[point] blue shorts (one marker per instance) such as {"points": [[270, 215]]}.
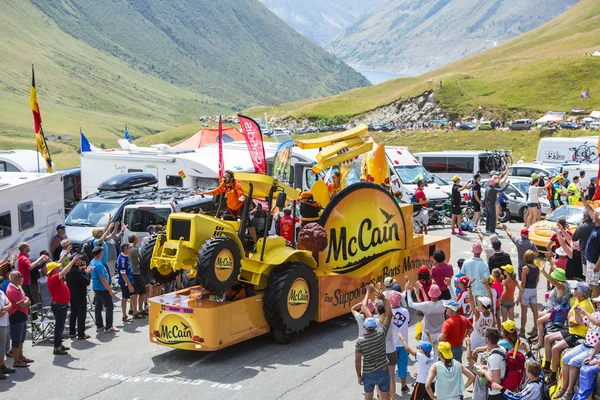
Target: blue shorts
{"points": [[18, 330], [380, 378], [402, 355], [587, 381], [575, 357]]}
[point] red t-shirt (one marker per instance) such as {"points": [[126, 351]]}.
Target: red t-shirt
{"points": [[426, 287], [441, 271], [554, 238], [420, 195], [59, 292], [15, 294], [455, 329], [286, 227], [24, 266]]}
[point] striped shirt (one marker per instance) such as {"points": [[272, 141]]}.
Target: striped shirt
{"points": [[372, 348]]}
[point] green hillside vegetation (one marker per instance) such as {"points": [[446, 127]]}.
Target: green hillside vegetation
{"points": [[78, 86], [539, 71], [237, 52]]}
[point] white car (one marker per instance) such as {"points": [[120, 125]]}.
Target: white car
{"points": [[517, 192]]}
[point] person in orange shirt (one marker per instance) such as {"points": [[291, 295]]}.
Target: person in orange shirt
{"points": [[233, 193], [335, 186]]}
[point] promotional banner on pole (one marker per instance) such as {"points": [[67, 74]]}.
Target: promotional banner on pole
{"points": [[253, 137], [40, 140], [282, 165], [221, 162]]}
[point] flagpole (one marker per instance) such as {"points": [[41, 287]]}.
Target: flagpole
{"points": [[37, 153]]}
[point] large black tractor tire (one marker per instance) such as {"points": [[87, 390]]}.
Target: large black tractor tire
{"points": [[154, 273], [219, 264], [290, 300]]}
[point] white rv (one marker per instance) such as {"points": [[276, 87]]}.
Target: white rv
{"points": [[172, 167], [22, 161], [31, 207], [559, 151]]}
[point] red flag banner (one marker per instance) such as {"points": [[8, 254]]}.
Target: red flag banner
{"points": [[221, 162], [254, 140], [40, 140]]}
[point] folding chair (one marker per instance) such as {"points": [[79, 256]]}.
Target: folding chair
{"points": [[42, 325]]}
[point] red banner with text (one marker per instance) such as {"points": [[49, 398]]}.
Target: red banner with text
{"points": [[253, 137]]}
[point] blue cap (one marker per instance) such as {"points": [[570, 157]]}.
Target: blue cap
{"points": [[370, 323], [397, 288], [425, 346], [453, 305], [593, 178]]}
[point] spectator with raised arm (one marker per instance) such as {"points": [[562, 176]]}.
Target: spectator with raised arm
{"points": [[592, 252]]}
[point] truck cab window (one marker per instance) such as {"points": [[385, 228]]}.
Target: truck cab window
{"points": [[26, 219], [5, 225]]}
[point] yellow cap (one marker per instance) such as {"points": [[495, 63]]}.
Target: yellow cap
{"points": [[509, 326], [445, 350], [456, 178], [51, 266], [509, 268]]}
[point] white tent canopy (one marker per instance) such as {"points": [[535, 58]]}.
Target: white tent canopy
{"points": [[595, 114], [596, 54], [551, 117]]}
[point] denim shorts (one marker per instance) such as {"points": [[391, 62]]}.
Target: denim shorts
{"points": [[18, 330], [3, 337], [380, 378], [529, 296], [575, 357]]}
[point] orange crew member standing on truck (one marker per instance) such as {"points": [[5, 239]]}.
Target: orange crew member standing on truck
{"points": [[233, 193]]}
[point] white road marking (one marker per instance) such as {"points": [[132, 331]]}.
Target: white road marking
{"points": [[176, 380], [201, 360]]}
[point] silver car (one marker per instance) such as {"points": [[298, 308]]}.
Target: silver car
{"points": [[516, 193]]}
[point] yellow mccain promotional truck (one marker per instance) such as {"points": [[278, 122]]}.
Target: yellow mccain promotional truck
{"points": [[369, 237]]}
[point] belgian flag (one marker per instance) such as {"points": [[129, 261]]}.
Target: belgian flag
{"points": [[37, 124]]}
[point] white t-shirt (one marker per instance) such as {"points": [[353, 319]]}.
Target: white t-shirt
{"points": [[465, 305], [3, 301], [533, 194], [360, 320], [424, 364], [497, 362], [400, 325], [389, 339]]}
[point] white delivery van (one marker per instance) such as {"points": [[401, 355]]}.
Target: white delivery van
{"points": [[448, 163], [563, 150], [31, 207]]}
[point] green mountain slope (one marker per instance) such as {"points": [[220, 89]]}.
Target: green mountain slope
{"points": [[78, 86], [410, 37], [235, 51], [542, 70]]}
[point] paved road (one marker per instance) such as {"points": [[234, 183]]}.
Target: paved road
{"points": [[318, 364]]}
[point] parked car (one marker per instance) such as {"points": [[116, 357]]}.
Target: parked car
{"points": [[517, 197], [594, 125], [525, 170], [389, 127], [486, 126], [569, 125], [466, 126], [520, 125]]}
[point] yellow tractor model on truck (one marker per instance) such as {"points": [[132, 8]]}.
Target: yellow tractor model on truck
{"points": [[217, 252]]}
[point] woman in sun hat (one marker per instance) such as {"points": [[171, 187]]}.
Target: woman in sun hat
{"points": [[559, 295], [433, 310], [448, 375]]}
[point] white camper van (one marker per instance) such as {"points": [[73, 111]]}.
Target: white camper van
{"points": [[448, 163], [22, 161], [172, 167], [563, 150], [31, 207]]}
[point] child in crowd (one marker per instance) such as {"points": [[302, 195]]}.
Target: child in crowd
{"points": [[528, 295], [399, 327], [497, 289], [425, 359], [462, 296], [482, 316], [507, 299]]}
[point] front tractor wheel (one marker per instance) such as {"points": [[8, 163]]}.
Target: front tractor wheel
{"points": [[219, 264], [161, 274], [290, 300]]}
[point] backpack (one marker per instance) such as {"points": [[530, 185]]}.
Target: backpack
{"points": [[87, 250], [545, 390], [515, 369], [560, 314]]}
